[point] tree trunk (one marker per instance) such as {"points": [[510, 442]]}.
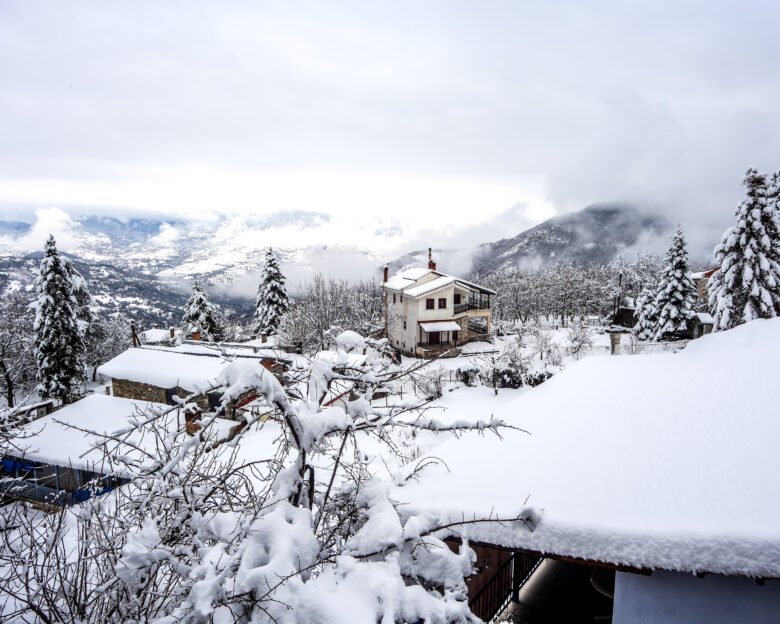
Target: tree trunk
{"points": [[9, 384]]}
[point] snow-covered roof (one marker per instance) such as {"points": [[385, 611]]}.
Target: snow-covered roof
{"points": [[439, 282], [704, 317], [59, 438], [625, 464], [398, 282], [239, 349], [440, 326], [704, 274], [165, 368], [157, 335], [414, 273], [407, 279]]}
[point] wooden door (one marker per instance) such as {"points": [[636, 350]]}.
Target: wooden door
{"points": [[433, 338]]}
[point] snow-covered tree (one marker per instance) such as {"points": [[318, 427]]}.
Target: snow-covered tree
{"points": [[272, 300], [747, 284], [17, 360], [84, 312], [207, 534], [200, 315], [59, 344], [646, 315], [579, 341], [675, 296]]}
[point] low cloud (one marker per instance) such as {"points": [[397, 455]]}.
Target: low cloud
{"points": [[48, 221], [168, 234]]}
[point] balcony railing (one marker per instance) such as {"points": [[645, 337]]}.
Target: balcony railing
{"points": [[504, 585], [441, 346], [473, 304]]}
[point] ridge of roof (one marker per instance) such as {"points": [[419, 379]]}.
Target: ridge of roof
{"points": [[407, 278]]}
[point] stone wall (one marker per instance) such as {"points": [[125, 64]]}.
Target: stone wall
{"points": [[139, 391], [145, 392], [463, 334]]}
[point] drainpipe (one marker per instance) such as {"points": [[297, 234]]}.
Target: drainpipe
{"points": [[387, 303]]}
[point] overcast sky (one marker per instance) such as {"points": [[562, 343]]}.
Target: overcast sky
{"points": [[395, 116]]}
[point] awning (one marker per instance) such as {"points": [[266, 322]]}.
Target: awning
{"points": [[440, 326]]}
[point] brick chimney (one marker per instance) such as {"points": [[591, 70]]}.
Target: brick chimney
{"points": [[387, 268], [173, 333], [431, 263], [196, 335]]}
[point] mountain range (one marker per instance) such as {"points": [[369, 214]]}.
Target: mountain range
{"points": [[143, 266], [144, 298], [596, 234]]}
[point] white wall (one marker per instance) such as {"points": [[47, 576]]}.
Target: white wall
{"points": [[677, 598]]}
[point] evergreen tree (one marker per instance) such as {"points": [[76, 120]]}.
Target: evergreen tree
{"points": [[747, 284], [272, 300], [59, 344], [203, 316], [645, 313], [675, 295], [83, 309]]}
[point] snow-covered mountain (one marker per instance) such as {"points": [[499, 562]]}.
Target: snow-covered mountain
{"points": [[144, 298], [229, 251], [216, 251], [596, 234]]}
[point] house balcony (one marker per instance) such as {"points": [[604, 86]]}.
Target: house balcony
{"points": [[465, 307], [476, 301]]}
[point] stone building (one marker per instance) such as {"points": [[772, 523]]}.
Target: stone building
{"points": [[159, 374]]}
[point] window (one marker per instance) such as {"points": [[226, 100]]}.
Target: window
{"points": [[393, 298], [442, 302], [457, 299], [402, 298], [404, 324], [429, 304]]}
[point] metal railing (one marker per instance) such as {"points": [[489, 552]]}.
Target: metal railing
{"points": [[504, 586], [463, 307], [439, 346]]}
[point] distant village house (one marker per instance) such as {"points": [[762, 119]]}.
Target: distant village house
{"points": [[430, 312]]}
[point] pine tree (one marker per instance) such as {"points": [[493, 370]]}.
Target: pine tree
{"points": [[83, 309], [272, 300], [647, 318], [675, 296], [747, 284], [200, 315], [59, 345]]}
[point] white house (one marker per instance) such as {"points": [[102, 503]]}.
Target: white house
{"points": [[429, 311]]}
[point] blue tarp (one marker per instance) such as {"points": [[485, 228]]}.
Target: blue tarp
{"points": [[11, 465], [79, 496]]}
